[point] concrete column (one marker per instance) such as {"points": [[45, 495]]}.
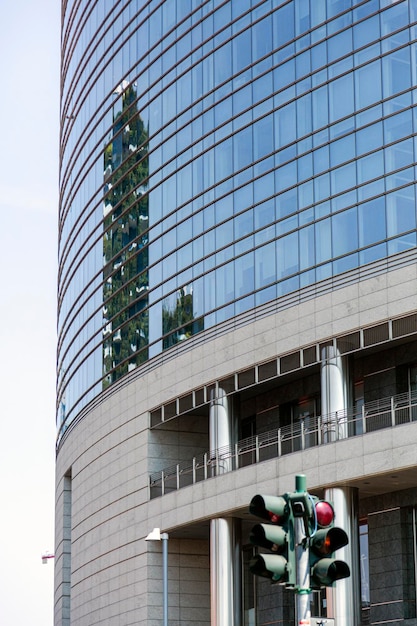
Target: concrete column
{"points": [[344, 599], [225, 566], [336, 394]]}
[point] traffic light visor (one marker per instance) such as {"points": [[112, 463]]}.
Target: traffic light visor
{"points": [[272, 566], [270, 508], [327, 571], [327, 540], [267, 536]]}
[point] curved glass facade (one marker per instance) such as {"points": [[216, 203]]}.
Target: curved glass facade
{"points": [[217, 155]]}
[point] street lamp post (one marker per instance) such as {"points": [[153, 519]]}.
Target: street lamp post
{"points": [[156, 535]]}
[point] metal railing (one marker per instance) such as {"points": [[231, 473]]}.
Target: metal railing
{"points": [[309, 432]]}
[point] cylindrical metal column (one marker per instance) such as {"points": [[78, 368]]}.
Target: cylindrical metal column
{"points": [[224, 532], [344, 599], [164, 538], [336, 393], [224, 569], [220, 433]]}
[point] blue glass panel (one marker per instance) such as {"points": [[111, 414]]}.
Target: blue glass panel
{"points": [[401, 211], [321, 187], [369, 138], [399, 178], [283, 24], [396, 71], [339, 45], [264, 187], [372, 223], [222, 63], [262, 88], [244, 269], [365, 32], [307, 247], [243, 224], [345, 200], [302, 16], [345, 263], [287, 255], [318, 59], [405, 242], [343, 178], [371, 189], [365, 9], [321, 159], [224, 284], [373, 254], [398, 126], [241, 51], [286, 176], [262, 38], [320, 108], [284, 75], [305, 194], [342, 150], [242, 149], [243, 198], [286, 203], [263, 137], [394, 18], [264, 214], [285, 129], [341, 100], [287, 286], [305, 166], [399, 155], [371, 166], [368, 84], [323, 240], [345, 232], [287, 225]]}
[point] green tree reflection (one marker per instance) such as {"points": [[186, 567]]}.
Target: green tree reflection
{"points": [[178, 318], [125, 240]]}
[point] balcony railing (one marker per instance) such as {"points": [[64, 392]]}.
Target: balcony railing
{"points": [[307, 433]]}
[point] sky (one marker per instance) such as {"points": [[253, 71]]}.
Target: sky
{"points": [[29, 126]]}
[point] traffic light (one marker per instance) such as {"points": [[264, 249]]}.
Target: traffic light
{"points": [[277, 536], [324, 539]]}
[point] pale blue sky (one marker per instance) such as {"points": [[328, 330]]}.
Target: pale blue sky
{"points": [[29, 114]]}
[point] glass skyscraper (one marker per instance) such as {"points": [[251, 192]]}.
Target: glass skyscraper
{"points": [[237, 222]]}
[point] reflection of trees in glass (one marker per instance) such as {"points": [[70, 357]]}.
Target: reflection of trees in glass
{"points": [[125, 241], [178, 321]]}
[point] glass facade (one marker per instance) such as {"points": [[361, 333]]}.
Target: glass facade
{"points": [[217, 155]]}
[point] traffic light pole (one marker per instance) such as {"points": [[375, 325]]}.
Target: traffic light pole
{"points": [[302, 561], [303, 574]]}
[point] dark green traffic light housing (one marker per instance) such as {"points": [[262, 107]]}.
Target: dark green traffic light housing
{"points": [[277, 536], [324, 541]]}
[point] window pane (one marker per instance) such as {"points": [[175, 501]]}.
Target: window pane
{"points": [[345, 232], [265, 265], [372, 225], [323, 241], [287, 257], [368, 88], [401, 211]]}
